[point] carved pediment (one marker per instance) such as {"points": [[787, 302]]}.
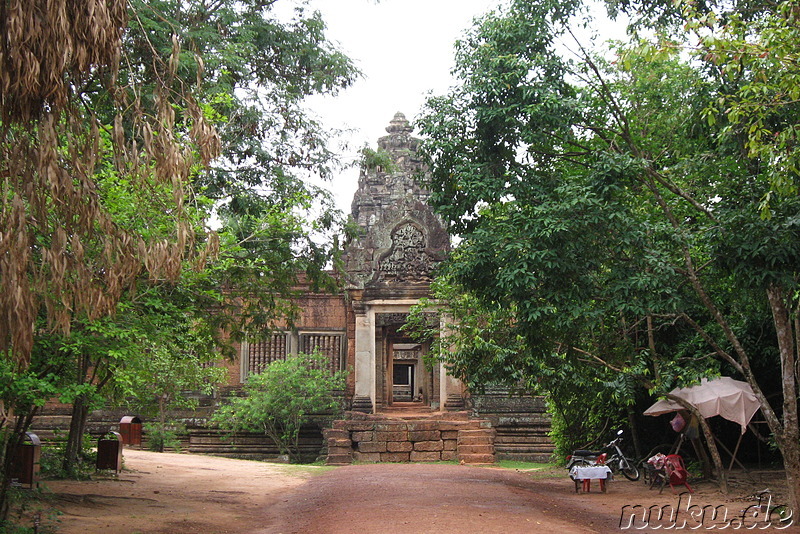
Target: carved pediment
{"points": [[408, 259], [401, 238]]}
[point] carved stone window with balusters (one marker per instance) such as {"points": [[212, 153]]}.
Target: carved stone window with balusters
{"points": [[257, 354]]}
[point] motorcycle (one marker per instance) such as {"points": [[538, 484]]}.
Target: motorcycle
{"points": [[616, 461]]}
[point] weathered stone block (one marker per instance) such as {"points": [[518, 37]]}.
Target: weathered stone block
{"points": [[417, 426], [372, 446], [475, 440], [449, 456], [339, 459], [360, 426], [391, 436], [459, 415], [337, 442], [340, 424], [449, 434], [425, 435], [367, 457], [335, 433], [391, 426], [458, 425], [449, 444], [473, 433], [394, 457], [475, 449], [428, 446], [476, 458], [399, 446], [425, 456], [363, 436], [340, 450]]}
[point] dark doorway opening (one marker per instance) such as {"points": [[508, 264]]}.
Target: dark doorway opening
{"points": [[403, 382]]}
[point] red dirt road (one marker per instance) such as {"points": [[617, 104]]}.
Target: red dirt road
{"points": [[440, 499], [195, 494]]}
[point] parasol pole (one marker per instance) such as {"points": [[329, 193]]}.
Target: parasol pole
{"points": [[735, 452], [734, 458]]}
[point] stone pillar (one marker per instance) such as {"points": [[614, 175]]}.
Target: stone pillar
{"points": [[451, 388], [364, 398]]}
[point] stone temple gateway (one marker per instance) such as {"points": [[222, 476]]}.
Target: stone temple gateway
{"points": [[388, 269]]}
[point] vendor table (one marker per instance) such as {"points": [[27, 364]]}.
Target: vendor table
{"points": [[586, 474]]}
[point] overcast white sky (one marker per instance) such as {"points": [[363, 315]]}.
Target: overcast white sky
{"points": [[404, 48]]}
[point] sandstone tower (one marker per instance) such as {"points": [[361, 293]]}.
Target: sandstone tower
{"points": [[388, 270]]}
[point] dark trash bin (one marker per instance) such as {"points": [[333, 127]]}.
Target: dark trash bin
{"points": [[109, 451], [130, 427], [25, 467]]}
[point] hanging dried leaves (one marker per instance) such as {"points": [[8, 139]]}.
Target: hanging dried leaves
{"points": [[60, 248], [47, 45]]}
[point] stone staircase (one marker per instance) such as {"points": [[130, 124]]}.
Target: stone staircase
{"points": [[476, 446], [521, 424], [402, 436]]}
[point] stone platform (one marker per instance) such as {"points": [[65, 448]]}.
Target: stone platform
{"points": [[410, 435]]}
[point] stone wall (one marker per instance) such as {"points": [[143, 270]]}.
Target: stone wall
{"points": [[52, 426], [373, 439], [521, 422]]}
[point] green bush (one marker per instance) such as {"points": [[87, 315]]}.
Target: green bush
{"points": [[51, 460], [282, 398], [160, 437]]}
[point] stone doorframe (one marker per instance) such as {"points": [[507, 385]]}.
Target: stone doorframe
{"points": [[366, 397]]}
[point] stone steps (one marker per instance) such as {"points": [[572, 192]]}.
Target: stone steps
{"points": [[476, 446], [376, 438], [521, 423]]}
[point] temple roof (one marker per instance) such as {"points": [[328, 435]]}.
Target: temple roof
{"points": [[401, 238], [399, 124]]}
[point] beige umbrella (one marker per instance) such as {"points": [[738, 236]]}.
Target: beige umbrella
{"points": [[732, 399]]}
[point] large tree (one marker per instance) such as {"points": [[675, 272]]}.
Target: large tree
{"points": [[257, 64], [62, 253], [622, 226], [124, 125]]}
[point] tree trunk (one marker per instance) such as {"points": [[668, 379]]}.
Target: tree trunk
{"points": [[791, 465], [8, 444], [162, 422], [722, 475], [5, 440], [10, 440], [789, 439], [637, 444], [77, 425]]}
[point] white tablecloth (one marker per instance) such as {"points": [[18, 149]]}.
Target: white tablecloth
{"points": [[593, 472]]}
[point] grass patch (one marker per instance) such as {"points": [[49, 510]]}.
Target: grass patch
{"points": [[535, 470], [522, 466], [306, 469]]}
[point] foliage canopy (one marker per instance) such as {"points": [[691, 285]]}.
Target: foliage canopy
{"points": [[612, 212]]}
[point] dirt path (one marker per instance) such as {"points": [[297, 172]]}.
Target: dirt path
{"points": [[176, 494], [421, 498], [182, 494]]}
